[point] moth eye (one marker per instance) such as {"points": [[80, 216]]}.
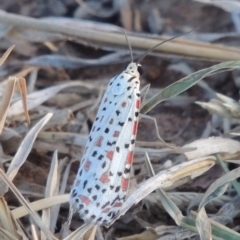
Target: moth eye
{"points": [[140, 70]]}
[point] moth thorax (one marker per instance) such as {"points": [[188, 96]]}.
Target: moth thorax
{"points": [[134, 69]]}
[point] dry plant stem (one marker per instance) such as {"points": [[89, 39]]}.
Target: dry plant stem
{"points": [[80, 232], [6, 99], [143, 42], [38, 205], [168, 204], [7, 222], [5, 55], [33, 214], [23, 90]]}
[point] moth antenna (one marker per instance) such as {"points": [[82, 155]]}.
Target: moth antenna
{"points": [[129, 45], [152, 48]]}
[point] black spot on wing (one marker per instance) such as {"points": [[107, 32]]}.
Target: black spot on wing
{"points": [[94, 154], [85, 183], [121, 124], [89, 190], [105, 205], [104, 164]]}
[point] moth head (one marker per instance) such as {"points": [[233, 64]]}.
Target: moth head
{"points": [[135, 69]]}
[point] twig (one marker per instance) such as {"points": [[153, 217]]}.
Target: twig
{"points": [[117, 39]]}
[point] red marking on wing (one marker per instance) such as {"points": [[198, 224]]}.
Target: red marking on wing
{"points": [[99, 141], [101, 118], [87, 165], [85, 200], [106, 210], [110, 155], [93, 129], [116, 134], [117, 204], [129, 158], [104, 178], [125, 184], [111, 121], [77, 183], [138, 102], [135, 125], [105, 100], [124, 104]]}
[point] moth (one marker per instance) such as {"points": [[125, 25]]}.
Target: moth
{"points": [[102, 181]]}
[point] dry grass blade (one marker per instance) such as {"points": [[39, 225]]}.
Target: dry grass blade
{"points": [[4, 107], [5, 235], [80, 232], [37, 98], [40, 204], [25, 147], [51, 189], [166, 179], [168, 204], [52, 182], [90, 235], [224, 106], [211, 145], [5, 55], [23, 90], [203, 225], [8, 223], [64, 177], [23, 201], [218, 187], [215, 107], [148, 234], [5, 103]]}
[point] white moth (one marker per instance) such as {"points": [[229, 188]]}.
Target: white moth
{"points": [[102, 180]]}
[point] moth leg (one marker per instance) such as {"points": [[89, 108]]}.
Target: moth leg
{"points": [[162, 194], [156, 127], [144, 92]]}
